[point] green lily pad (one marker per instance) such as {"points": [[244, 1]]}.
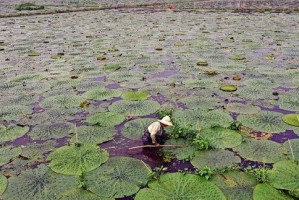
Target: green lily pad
{"points": [[118, 177], [3, 183], [180, 186], [264, 121], [51, 130], [7, 153], [101, 94], [77, 159], [93, 134], [242, 108], [202, 62], [105, 119], [63, 101], [39, 183], [21, 78], [200, 102], [120, 76], [81, 194], [259, 83], [229, 67], [221, 137], [235, 184], [261, 150], [135, 96], [266, 191], [186, 152], [291, 119], [134, 108], [134, 129], [285, 175], [228, 88], [289, 102], [36, 151], [12, 132], [14, 112], [252, 93], [111, 67], [237, 57], [218, 159], [200, 83], [292, 147]]}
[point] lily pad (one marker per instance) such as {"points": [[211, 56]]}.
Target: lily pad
{"points": [[186, 152], [134, 129], [135, 96], [51, 130], [101, 94], [252, 93], [77, 159], [218, 159], [105, 119], [264, 121], [242, 108], [202, 62], [111, 67], [259, 83], [14, 112], [285, 175], [200, 102], [228, 88], [12, 132], [291, 119], [221, 137], [3, 183], [261, 150], [63, 101], [118, 177], [93, 134], [293, 148], [81, 194], [134, 108], [266, 191], [235, 184], [180, 186], [36, 151], [7, 153], [237, 57], [200, 83], [289, 102], [39, 183]]}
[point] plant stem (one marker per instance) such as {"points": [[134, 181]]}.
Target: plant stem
{"points": [[291, 149]]}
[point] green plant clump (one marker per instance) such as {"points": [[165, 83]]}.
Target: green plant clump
{"points": [[29, 6], [206, 172], [201, 143], [261, 174]]}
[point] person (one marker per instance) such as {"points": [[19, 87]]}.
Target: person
{"points": [[155, 133]]}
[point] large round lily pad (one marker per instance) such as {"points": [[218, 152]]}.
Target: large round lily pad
{"points": [[134, 108], [222, 138], [200, 102], [135, 96], [215, 159], [63, 101], [39, 183], [81, 194], [291, 119], [77, 159], [235, 184], [242, 108], [105, 119], [3, 184], [285, 175], [254, 93], [292, 147], [134, 129], [118, 177], [264, 121], [36, 151], [14, 112], [93, 134], [12, 132], [8, 153], [265, 191], [289, 102], [228, 88], [259, 83], [261, 150], [101, 94], [200, 83], [186, 152], [180, 186]]}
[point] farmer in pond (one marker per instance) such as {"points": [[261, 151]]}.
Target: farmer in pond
{"points": [[155, 133]]}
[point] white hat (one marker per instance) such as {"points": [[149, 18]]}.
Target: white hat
{"points": [[166, 120]]}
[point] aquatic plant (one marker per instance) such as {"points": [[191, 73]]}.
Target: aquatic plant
{"points": [[292, 147], [63, 101], [291, 119], [101, 94], [105, 119], [228, 88], [135, 95], [201, 143], [202, 102], [3, 183], [289, 102], [180, 186], [242, 108], [77, 159], [14, 112], [12, 132], [29, 6], [206, 172], [118, 177], [134, 129], [37, 151], [7, 153]]}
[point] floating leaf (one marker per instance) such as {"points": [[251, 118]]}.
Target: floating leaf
{"points": [[180, 186], [118, 177], [242, 108], [291, 119], [135, 96], [21, 78], [228, 88], [264, 121], [101, 94], [237, 57], [235, 184], [111, 67], [36, 151], [289, 102], [186, 152], [285, 175], [81, 194], [93, 134], [230, 67], [12, 132], [77, 159], [261, 150], [120, 76], [265, 191], [202, 62], [62, 101], [200, 83], [200, 102], [134, 129], [7, 153], [215, 159], [14, 112], [254, 93], [134, 108], [221, 137], [49, 130], [259, 83], [3, 183], [293, 148], [39, 183], [105, 119]]}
